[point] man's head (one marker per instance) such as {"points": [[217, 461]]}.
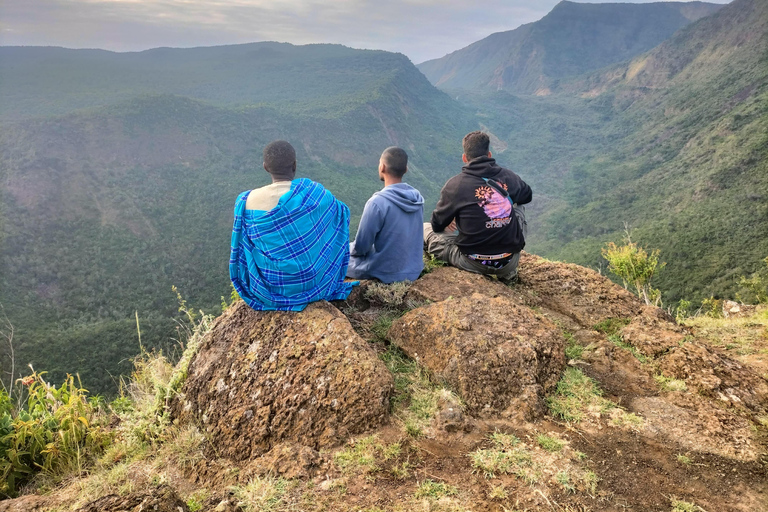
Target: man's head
{"points": [[393, 163], [280, 160], [476, 144]]}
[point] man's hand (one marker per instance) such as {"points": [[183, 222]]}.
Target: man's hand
{"points": [[452, 226]]}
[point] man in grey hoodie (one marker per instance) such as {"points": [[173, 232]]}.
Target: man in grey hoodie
{"points": [[389, 241]]}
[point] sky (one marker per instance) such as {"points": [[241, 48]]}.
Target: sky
{"points": [[420, 29]]}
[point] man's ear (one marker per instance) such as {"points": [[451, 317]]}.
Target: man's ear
{"points": [[264, 164], [490, 155], [406, 170], [464, 158]]}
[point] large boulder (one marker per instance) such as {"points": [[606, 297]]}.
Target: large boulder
{"points": [[500, 357], [264, 378]]}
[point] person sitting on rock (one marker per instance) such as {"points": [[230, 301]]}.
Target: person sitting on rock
{"points": [[290, 239], [388, 245], [479, 222]]}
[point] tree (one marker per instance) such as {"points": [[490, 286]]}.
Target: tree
{"points": [[635, 267]]}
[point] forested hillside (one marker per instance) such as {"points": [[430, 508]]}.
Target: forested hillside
{"points": [[106, 209], [572, 39], [118, 172]]}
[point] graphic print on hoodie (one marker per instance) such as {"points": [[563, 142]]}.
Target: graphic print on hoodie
{"points": [[389, 241], [496, 207]]}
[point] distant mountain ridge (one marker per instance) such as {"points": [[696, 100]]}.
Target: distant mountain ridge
{"points": [[110, 194], [572, 39]]}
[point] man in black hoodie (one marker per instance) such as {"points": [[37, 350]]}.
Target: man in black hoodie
{"points": [[479, 222]]}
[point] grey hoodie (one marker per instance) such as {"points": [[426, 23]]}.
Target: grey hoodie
{"points": [[390, 239]]}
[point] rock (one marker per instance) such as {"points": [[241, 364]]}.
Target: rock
{"points": [[733, 309], [289, 460], [446, 282], [160, 499], [716, 376], [450, 416], [29, 503], [264, 378], [575, 291], [500, 357], [653, 332]]}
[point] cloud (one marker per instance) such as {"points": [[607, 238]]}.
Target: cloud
{"points": [[421, 29]]}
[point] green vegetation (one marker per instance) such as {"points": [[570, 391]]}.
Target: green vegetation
{"points": [[634, 266], [58, 430], [551, 444], [684, 506], [416, 399], [435, 490], [612, 326], [261, 494], [617, 340], [670, 384], [578, 397]]}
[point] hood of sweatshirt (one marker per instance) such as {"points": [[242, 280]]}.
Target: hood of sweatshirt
{"points": [[404, 196], [482, 166]]}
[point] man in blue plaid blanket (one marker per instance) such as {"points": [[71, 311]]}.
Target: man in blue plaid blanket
{"points": [[290, 239]]}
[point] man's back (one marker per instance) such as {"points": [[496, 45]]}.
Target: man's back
{"points": [[389, 243], [294, 253], [476, 199]]}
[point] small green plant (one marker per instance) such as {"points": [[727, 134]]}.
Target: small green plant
{"points": [[683, 459], [498, 492], [550, 444], [564, 479], [712, 307], [682, 310], [390, 295], [611, 326], [57, 431], [196, 501], [635, 267], [431, 263], [435, 490], [755, 287]]}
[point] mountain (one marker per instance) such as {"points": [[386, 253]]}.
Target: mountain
{"points": [[687, 165], [572, 39], [108, 206]]}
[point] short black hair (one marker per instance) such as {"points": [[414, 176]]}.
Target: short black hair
{"points": [[396, 160], [279, 157], [476, 144]]}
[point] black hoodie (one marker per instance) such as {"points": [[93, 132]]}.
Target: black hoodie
{"points": [[486, 222]]}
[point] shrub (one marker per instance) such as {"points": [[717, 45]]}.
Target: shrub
{"points": [[635, 267], [58, 431]]}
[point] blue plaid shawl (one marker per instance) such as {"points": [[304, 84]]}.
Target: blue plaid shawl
{"points": [[294, 254]]}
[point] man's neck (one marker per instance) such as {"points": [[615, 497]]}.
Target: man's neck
{"points": [[391, 181], [281, 179]]}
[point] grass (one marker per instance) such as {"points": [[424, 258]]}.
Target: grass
{"points": [[389, 295], [743, 336], [617, 340], [684, 459], [572, 348], [611, 326], [416, 399], [261, 494], [366, 455], [550, 444], [564, 479], [670, 384], [431, 263], [684, 506], [435, 490], [577, 394]]}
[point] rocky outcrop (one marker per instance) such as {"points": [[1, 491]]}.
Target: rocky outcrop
{"points": [[653, 332], [161, 499], [500, 357], [717, 376], [265, 378], [29, 503], [575, 291]]}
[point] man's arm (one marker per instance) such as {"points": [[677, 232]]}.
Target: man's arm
{"points": [[370, 224], [445, 211], [519, 191]]}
